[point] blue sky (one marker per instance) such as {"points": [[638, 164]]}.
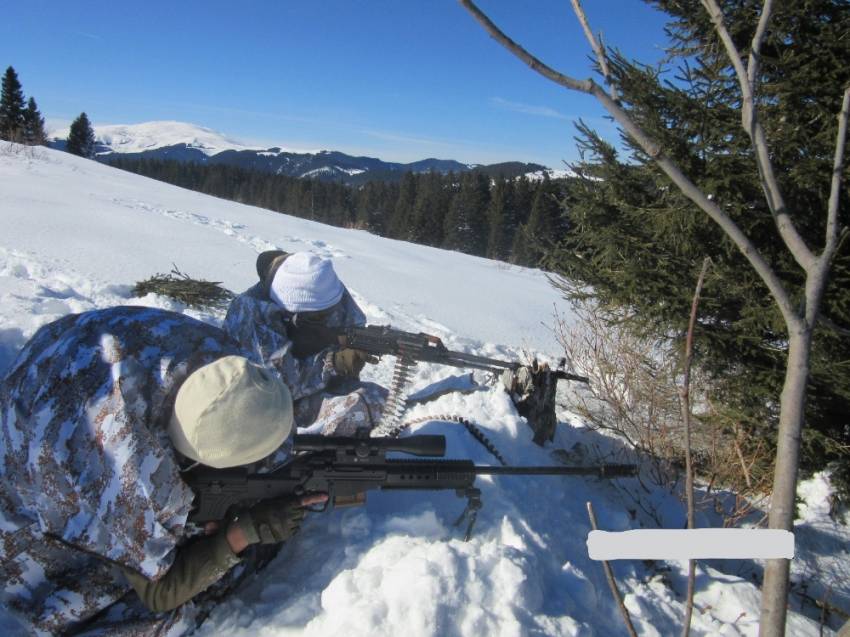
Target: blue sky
{"points": [[401, 80]]}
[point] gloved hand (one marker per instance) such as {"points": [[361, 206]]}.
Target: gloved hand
{"points": [[349, 362], [271, 521]]}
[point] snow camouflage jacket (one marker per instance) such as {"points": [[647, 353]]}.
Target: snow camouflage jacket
{"points": [[258, 324], [89, 481]]}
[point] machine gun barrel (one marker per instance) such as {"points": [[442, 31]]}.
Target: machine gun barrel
{"points": [[382, 339], [309, 338]]}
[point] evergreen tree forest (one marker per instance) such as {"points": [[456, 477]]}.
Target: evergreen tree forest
{"points": [[20, 121], [506, 219]]}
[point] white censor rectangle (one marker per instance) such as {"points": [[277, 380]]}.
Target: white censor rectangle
{"points": [[690, 544]]}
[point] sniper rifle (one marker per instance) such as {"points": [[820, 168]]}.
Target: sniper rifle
{"points": [[346, 468]]}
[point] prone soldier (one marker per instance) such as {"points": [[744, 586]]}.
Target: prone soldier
{"points": [[100, 415], [303, 289]]}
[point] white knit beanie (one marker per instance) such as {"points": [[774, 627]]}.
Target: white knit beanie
{"points": [[230, 412], [306, 283]]}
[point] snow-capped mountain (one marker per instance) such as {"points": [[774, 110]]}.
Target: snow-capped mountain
{"points": [[187, 142], [140, 138]]}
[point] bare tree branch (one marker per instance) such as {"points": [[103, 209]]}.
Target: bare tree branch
{"points": [[685, 395], [716, 16], [837, 170], [816, 281], [755, 46], [612, 584], [597, 47], [688, 188], [522, 54], [749, 120], [744, 468]]}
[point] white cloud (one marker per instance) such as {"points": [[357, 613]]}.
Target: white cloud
{"points": [[527, 109]]}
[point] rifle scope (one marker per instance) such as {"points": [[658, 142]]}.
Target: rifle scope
{"points": [[364, 448]]}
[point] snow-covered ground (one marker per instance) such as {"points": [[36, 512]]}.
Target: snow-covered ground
{"points": [[76, 235]]}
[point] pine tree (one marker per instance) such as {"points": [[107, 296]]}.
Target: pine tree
{"points": [[399, 226], [524, 195], [465, 226], [521, 253], [429, 210], [543, 228], [503, 219], [12, 108], [81, 137], [34, 134], [637, 242], [373, 204]]}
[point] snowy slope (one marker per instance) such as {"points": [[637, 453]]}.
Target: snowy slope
{"points": [[77, 235]]}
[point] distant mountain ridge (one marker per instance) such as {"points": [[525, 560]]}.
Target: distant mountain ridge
{"points": [[183, 142]]}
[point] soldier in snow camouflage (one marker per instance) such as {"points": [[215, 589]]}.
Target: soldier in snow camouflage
{"points": [[329, 398], [93, 509]]}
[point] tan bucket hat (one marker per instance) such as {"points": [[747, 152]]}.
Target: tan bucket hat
{"points": [[230, 412]]}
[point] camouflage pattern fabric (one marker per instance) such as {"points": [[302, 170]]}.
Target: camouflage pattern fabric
{"points": [[357, 405], [89, 482], [323, 401], [258, 324]]}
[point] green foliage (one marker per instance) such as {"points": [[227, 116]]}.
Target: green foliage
{"points": [[503, 215], [544, 223], [81, 137], [429, 209], [374, 207], [12, 108], [636, 242], [403, 212], [465, 225], [34, 134]]}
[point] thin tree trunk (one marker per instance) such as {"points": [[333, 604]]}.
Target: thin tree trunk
{"points": [[612, 583], [685, 395], [775, 587]]}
